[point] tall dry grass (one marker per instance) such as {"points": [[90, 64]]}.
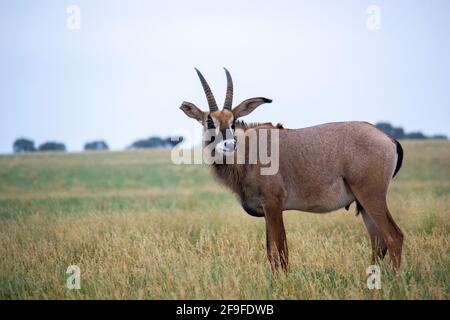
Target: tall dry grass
{"points": [[141, 228]]}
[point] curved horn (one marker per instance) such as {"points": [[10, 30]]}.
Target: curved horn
{"points": [[209, 96], [229, 95]]}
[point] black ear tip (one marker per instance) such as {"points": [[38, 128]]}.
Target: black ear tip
{"points": [[267, 100]]}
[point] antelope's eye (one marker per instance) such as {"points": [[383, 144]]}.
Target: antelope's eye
{"points": [[210, 123], [233, 125]]}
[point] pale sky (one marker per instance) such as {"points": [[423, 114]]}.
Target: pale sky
{"points": [[124, 74]]}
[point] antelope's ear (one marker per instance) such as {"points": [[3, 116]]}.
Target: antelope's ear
{"points": [[192, 111], [247, 106]]}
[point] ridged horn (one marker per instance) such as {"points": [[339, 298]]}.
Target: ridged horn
{"points": [[229, 95], [209, 96]]}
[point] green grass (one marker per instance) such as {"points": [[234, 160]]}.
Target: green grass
{"points": [[140, 227]]}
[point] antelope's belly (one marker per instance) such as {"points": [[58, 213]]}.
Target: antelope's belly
{"points": [[320, 199]]}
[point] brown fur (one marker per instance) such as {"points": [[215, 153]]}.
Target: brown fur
{"points": [[321, 169], [223, 117]]}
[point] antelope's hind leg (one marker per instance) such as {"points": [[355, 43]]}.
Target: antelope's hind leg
{"points": [[375, 207], [379, 247]]}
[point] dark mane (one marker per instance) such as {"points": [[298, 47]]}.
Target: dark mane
{"points": [[245, 126]]}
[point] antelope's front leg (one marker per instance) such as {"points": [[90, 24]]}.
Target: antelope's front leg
{"points": [[277, 251]]}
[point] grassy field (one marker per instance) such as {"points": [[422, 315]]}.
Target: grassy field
{"points": [[140, 227]]}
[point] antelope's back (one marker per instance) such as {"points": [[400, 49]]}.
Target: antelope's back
{"points": [[322, 153]]}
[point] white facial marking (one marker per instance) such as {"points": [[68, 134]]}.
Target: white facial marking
{"points": [[230, 123], [216, 124], [226, 147]]}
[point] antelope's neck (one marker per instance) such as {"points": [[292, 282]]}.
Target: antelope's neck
{"points": [[230, 175]]}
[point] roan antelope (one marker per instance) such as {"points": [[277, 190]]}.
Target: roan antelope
{"points": [[321, 169]]}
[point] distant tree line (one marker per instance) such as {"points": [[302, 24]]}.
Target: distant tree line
{"points": [[22, 145], [27, 145], [96, 146], [156, 142], [399, 133]]}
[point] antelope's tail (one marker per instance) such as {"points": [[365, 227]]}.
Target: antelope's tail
{"points": [[399, 157]]}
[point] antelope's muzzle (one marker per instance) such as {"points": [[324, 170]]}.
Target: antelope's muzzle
{"points": [[227, 146]]}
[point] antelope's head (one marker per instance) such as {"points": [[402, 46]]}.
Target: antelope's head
{"points": [[220, 124]]}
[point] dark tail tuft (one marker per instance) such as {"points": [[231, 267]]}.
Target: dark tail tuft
{"points": [[400, 157]]}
